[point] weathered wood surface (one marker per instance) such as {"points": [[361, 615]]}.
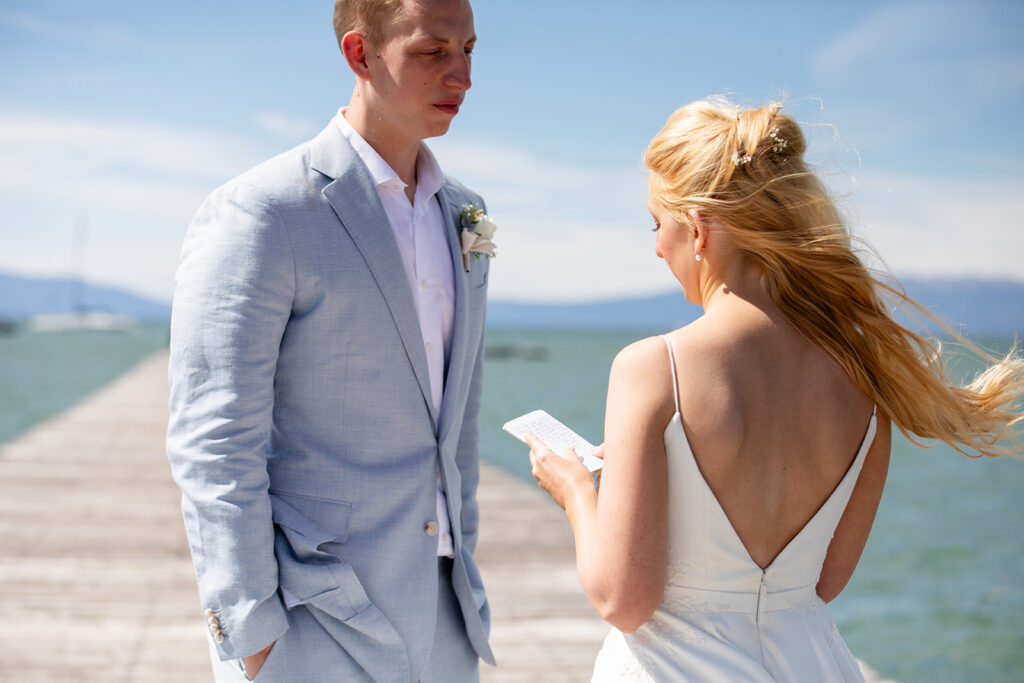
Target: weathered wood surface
{"points": [[96, 583]]}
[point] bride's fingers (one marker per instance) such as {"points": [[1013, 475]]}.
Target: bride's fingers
{"points": [[537, 446], [536, 468], [535, 464]]}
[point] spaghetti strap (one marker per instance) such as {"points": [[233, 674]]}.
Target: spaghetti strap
{"points": [[672, 362]]}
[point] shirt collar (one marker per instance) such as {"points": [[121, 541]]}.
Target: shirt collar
{"points": [[429, 177]]}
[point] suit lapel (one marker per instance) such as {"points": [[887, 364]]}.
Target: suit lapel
{"points": [[459, 356], [354, 199]]}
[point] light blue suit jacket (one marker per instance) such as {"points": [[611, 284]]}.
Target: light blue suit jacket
{"points": [[301, 430]]}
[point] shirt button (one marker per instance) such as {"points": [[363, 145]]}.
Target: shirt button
{"points": [[430, 529], [424, 284], [429, 347]]}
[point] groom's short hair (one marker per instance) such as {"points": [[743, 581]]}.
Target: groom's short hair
{"points": [[368, 17]]}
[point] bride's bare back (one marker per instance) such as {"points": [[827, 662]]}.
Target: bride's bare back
{"points": [[773, 423]]}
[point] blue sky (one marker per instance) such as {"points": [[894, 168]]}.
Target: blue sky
{"points": [[117, 118]]}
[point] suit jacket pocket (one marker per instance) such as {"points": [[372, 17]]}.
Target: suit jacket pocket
{"points": [[305, 568], [315, 520], [324, 581]]}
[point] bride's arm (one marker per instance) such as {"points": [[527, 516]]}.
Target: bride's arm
{"points": [[621, 535], [854, 526]]}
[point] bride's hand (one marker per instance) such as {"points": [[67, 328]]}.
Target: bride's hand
{"points": [[560, 477]]}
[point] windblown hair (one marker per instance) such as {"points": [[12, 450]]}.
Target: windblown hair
{"points": [[729, 164], [368, 17]]}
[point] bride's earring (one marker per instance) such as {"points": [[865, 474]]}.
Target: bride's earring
{"points": [[698, 256]]}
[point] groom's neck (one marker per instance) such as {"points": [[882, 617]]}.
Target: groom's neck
{"points": [[399, 153]]}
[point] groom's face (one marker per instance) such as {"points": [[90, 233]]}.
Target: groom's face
{"points": [[421, 72]]}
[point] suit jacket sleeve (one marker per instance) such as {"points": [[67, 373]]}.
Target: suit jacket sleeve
{"points": [[235, 284]]}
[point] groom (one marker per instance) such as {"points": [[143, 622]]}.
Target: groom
{"points": [[326, 359]]}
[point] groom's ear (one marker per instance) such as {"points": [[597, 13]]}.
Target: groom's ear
{"points": [[354, 47]]}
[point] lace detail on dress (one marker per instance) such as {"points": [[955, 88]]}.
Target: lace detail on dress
{"points": [[677, 603], [641, 642], [677, 598], [660, 627], [677, 571], [616, 660], [808, 604], [832, 636]]}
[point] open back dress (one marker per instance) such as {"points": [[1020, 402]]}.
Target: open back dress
{"points": [[722, 617]]}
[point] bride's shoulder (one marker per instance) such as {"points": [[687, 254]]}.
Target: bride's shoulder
{"points": [[649, 358], [652, 351], [640, 382], [641, 354]]}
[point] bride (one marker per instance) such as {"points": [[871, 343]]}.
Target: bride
{"points": [[745, 454]]}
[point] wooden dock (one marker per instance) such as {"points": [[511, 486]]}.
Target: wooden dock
{"points": [[96, 583]]}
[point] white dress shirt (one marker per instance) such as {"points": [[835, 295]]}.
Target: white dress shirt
{"points": [[419, 229]]}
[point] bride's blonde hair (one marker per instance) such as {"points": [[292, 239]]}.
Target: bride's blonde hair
{"points": [[746, 169]]}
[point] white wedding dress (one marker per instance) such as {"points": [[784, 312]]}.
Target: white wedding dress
{"points": [[722, 618]]}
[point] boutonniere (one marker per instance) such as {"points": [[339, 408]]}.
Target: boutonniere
{"points": [[477, 231]]}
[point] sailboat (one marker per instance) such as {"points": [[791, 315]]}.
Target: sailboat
{"points": [[80, 317], [82, 320]]}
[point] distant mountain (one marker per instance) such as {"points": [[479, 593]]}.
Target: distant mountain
{"points": [[23, 297], [659, 312], [979, 307]]}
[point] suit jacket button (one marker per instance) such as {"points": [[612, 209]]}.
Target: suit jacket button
{"points": [[208, 612], [219, 637], [430, 529]]}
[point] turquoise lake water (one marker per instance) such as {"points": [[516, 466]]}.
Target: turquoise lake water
{"points": [[938, 594], [43, 373]]}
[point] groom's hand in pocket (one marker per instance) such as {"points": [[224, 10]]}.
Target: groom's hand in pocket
{"points": [[253, 663]]}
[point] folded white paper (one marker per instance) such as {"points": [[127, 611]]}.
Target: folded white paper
{"points": [[554, 435]]}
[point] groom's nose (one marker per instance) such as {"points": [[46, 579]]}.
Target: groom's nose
{"points": [[458, 72]]}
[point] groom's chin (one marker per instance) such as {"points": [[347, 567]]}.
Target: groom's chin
{"points": [[436, 130]]}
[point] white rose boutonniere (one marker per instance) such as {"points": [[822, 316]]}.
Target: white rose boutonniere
{"points": [[477, 231]]}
